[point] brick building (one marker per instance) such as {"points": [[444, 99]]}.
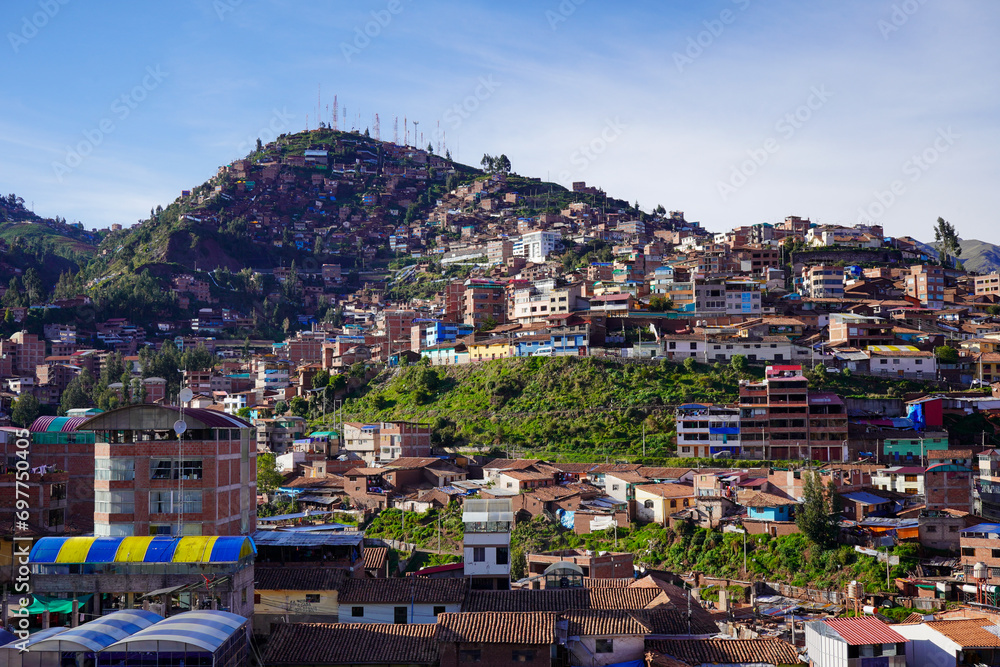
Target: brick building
{"points": [[147, 481], [603, 565], [948, 486]]}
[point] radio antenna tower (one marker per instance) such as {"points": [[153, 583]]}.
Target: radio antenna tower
{"points": [[439, 151], [335, 111], [395, 130], [319, 104], [406, 132], [415, 123], [378, 132]]}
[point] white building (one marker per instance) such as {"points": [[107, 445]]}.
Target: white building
{"points": [[901, 361], [707, 430], [844, 642], [399, 600], [900, 479], [536, 246], [486, 542]]}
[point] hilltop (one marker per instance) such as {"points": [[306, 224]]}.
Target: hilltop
{"points": [[51, 246]]}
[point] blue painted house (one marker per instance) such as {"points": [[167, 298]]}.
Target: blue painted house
{"points": [[763, 506]]}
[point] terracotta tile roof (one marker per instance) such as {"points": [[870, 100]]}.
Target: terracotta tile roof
{"points": [[668, 490], [419, 590], [663, 473], [526, 475], [597, 582], [968, 632], [767, 651], [497, 628], [578, 468], [352, 644], [867, 630], [510, 464], [604, 468], [592, 622], [267, 578], [375, 557], [411, 462], [762, 499], [527, 600]]}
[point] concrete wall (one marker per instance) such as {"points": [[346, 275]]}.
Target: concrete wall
{"points": [[625, 649]]}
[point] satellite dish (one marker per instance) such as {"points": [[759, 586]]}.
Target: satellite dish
{"points": [[186, 395], [180, 426]]}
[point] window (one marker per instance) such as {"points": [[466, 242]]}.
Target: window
{"points": [[605, 646], [933, 529], [169, 502], [172, 469], [614, 487], [357, 612], [470, 655], [478, 554], [673, 503], [160, 529], [502, 556], [312, 598], [522, 655], [116, 469], [968, 551], [57, 517], [399, 615], [114, 502], [648, 504], [438, 610], [995, 553]]}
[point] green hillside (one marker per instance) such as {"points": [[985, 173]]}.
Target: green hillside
{"points": [[566, 408]]}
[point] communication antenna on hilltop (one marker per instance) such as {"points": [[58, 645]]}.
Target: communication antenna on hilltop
{"points": [[440, 152], [378, 130], [345, 118], [395, 130], [415, 144], [319, 104], [336, 109], [406, 132]]}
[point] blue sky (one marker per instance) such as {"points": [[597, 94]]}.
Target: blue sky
{"points": [[734, 111]]}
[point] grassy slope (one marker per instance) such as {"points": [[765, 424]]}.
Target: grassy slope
{"points": [[566, 408]]}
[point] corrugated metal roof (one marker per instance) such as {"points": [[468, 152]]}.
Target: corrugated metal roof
{"points": [[100, 633], [278, 538], [864, 630], [207, 630], [51, 424], [75, 550]]}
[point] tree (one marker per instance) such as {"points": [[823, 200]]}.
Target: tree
{"points": [[430, 147], [946, 354], [299, 407], [689, 364], [259, 146], [26, 410], [321, 379], [33, 286], [280, 408], [815, 516], [946, 240], [739, 364], [660, 304], [268, 477]]}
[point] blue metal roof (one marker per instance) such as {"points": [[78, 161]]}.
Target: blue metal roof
{"points": [[35, 638], [865, 498], [100, 633], [984, 528], [275, 538], [207, 630], [104, 549]]}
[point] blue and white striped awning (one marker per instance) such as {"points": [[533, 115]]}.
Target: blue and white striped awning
{"points": [[206, 630], [99, 633]]}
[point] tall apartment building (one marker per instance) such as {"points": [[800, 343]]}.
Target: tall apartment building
{"points": [[149, 481], [536, 246], [704, 430], [988, 284], [484, 300], [925, 283], [986, 487], [486, 542], [823, 281], [25, 351], [387, 441], [781, 420]]}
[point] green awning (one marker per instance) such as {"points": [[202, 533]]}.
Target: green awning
{"points": [[41, 603]]}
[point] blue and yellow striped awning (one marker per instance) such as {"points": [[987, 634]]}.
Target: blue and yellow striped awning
{"points": [[78, 550]]}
